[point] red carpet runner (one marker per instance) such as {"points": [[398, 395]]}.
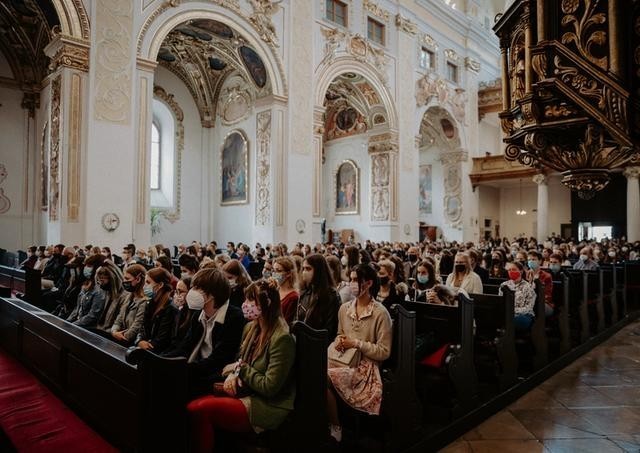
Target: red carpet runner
{"points": [[37, 421]]}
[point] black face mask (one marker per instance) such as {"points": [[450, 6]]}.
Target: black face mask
{"points": [[128, 286], [105, 286], [460, 268], [413, 258], [384, 280]]}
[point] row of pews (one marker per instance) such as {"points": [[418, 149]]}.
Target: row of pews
{"points": [[137, 400]]}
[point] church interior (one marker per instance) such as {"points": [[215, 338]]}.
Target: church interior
{"points": [[320, 225]]}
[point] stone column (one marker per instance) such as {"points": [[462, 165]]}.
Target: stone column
{"points": [[633, 203], [543, 206], [383, 150], [67, 143]]}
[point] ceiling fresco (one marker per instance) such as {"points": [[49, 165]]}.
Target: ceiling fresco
{"points": [[352, 107], [204, 53]]}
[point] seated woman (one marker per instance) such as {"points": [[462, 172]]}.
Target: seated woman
{"points": [[185, 315], [444, 295], [264, 371], [426, 279], [319, 301], [463, 276], [284, 273], [387, 295], [214, 337], [239, 280], [525, 296], [159, 313], [91, 298], [497, 269], [109, 278], [365, 325], [342, 286], [129, 321]]}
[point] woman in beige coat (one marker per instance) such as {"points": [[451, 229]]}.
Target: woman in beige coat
{"points": [[364, 330]]}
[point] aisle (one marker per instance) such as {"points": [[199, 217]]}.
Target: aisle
{"points": [[593, 405]]}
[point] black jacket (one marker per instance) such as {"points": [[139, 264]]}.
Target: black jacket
{"points": [[157, 329], [225, 339], [236, 298], [482, 273], [319, 314]]}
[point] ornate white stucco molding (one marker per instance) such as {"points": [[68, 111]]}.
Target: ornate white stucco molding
{"points": [[263, 168], [112, 100]]}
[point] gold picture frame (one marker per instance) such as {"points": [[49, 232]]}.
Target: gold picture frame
{"points": [[346, 188], [234, 169]]}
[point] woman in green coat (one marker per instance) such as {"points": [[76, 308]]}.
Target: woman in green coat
{"points": [[259, 390]]}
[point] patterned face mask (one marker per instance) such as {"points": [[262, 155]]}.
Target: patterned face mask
{"points": [[250, 310]]}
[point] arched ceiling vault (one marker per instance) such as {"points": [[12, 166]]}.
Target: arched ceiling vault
{"points": [[25, 30], [205, 53]]}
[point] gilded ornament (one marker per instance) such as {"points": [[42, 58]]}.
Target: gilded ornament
{"points": [[376, 10], [587, 31], [263, 168], [406, 25]]}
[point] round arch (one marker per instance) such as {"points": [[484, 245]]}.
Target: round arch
{"points": [[326, 74], [162, 21], [422, 111], [74, 20]]}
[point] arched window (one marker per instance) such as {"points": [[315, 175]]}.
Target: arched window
{"points": [[156, 147], [162, 179]]}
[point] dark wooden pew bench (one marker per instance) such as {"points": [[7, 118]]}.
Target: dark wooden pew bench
{"points": [[495, 352], [452, 383], [136, 402]]}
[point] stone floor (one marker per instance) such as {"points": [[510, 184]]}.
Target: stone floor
{"points": [[593, 405]]}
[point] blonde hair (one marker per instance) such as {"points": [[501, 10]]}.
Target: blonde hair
{"points": [[388, 265]]}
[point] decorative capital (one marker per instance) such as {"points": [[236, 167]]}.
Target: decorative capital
{"points": [[540, 178], [428, 41], [68, 52], [406, 25], [631, 172]]}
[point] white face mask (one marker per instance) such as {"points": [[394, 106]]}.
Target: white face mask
{"points": [[195, 300], [344, 261]]}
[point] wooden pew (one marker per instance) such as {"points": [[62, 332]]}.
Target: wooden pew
{"points": [[561, 309], [538, 330], [307, 424], [578, 314], [136, 408], [607, 285], [593, 297], [621, 293], [632, 283], [494, 323], [452, 325], [401, 410], [23, 281], [490, 289], [496, 281]]}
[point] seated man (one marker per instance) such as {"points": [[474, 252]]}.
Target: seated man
{"points": [[214, 340]]}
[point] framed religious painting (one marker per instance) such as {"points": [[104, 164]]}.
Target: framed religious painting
{"points": [[234, 164], [424, 191], [346, 188]]}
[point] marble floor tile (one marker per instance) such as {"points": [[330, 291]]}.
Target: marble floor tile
{"points": [[581, 396], [582, 446], [621, 420], [536, 399], [624, 395], [503, 425], [556, 424], [459, 446], [510, 446]]}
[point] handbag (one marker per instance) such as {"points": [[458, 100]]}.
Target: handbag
{"points": [[349, 358]]}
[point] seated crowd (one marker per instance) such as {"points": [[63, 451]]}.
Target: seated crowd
{"points": [[230, 311]]}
